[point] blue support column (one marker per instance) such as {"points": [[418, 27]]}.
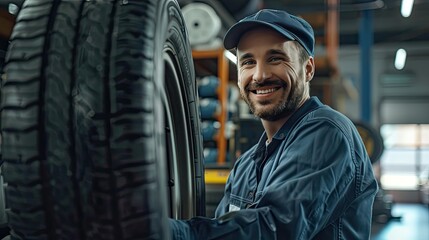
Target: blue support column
{"points": [[365, 42]]}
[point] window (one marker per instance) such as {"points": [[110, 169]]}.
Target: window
{"points": [[406, 155]]}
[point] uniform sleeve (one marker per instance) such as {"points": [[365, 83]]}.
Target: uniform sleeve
{"points": [[310, 187], [223, 205]]}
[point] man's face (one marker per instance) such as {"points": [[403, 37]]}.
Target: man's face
{"points": [[271, 78]]}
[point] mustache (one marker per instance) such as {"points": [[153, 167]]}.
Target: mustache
{"points": [[254, 85]]}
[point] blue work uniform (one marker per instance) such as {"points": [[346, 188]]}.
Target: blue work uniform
{"points": [[313, 181]]}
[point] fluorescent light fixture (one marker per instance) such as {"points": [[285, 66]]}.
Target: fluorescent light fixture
{"points": [[400, 58], [406, 7], [230, 56]]}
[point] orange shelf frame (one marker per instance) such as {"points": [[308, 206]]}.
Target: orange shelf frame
{"points": [[223, 75]]}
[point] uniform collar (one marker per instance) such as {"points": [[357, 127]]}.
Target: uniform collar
{"points": [[311, 104]]}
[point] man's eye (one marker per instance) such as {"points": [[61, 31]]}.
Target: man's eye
{"points": [[247, 62], [275, 59]]}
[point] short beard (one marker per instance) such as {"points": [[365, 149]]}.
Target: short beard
{"points": [[282, 110]]}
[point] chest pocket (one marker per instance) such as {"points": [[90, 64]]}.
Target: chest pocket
{"points": [[238, 202]]}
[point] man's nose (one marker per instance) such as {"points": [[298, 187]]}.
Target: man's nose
{"points": [[261, 73]]}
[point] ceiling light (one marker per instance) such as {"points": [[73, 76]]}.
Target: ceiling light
{"points": [[230, 56], [400, 58], [406, 7]]}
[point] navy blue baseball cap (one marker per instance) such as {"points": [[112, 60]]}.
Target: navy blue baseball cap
{"points": [[288, 25]]}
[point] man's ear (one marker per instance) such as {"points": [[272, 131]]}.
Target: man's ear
{"points": [[310, 67], [238, 83]]}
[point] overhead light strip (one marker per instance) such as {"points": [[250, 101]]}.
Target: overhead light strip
{"points": [[406, 7], [400, 58], [230, 56]]}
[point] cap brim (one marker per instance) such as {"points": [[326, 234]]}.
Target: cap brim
{"points": [[232, 37]]}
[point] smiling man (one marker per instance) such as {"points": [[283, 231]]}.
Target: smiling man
{"points": [[309, 176], [273, 76]]}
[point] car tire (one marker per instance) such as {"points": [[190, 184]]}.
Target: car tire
{"points": [[100, 121]]}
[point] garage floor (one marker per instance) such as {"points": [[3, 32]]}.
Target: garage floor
{"points": [[413, 224]]}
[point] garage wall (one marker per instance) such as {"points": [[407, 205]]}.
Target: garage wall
{"points": [[397, 96], [404, 110]]}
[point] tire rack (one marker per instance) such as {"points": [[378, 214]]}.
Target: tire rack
{"points": [[325, 25], [222, 74]]}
